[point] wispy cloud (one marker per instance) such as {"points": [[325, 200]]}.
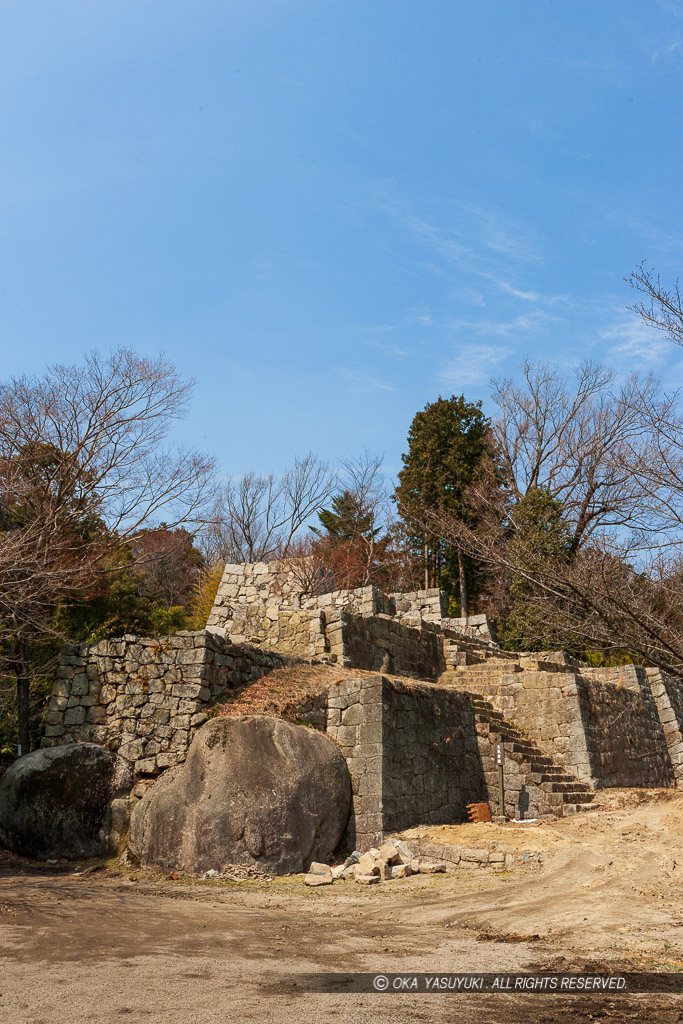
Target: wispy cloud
{"points": [[537, 320], [394, 351], [666, 51], [361, 381], [378, 329], [630, 341], [517, 292], [472, 364], [480, 244]]}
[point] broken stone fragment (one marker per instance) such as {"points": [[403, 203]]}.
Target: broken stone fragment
{"points": [[318, 868], [415, 867], [384, 869], [401, 871], [367, 865], [405, 854], [319, 874], [389, 853], [367, 879], [432, 867]]}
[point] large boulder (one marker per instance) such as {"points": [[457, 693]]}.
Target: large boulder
{"points": [[66, 801], [254, 791]]}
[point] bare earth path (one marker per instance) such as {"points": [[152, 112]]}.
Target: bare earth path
{"points": [[604, 893]]}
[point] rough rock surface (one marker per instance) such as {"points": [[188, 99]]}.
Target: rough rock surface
{"points": [[66, 801], [253, 791]]}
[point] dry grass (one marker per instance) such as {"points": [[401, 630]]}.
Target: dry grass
{"points": [[283, 691]]}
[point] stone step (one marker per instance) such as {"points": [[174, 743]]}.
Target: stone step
{"points": [[490, 667], [538, 777], [572, 786], [578, 797], [575, 808], [570, 795]]}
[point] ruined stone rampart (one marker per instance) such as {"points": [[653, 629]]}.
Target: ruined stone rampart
{"points": [[383, 643], [419, 753], [602, 725], [145, 697], [264, 605], [668, 696]]}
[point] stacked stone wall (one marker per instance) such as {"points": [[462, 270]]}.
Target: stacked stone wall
{"points": [[430, 604], [363, 601], [624, 736], [146, 697], [262, 604], [251, 584], [605, 731], [383, 643], [668, 696], [416, 755]]}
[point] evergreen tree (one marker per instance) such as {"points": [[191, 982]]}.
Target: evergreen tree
{"points": [[449, 448]]}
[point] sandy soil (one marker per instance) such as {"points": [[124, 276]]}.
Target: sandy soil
{"points": [[603, 893]]}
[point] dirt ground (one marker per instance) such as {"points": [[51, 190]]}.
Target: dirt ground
{"points": [[600, 892]]}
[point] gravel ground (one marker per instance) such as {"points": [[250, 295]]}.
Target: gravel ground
{"points": [[107, 943]]}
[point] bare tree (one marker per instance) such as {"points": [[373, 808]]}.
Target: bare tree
{"points": [[587, 443], [617, 584], [360, 540], [257, 518], [662, 308], [84, 466]]}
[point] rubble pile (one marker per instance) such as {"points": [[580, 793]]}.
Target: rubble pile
{"points": [[394, 859]]}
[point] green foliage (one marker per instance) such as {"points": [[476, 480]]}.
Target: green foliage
{"points": [[446, 444], [540, 537], [449, 449], [347, 519], [168, 620]]}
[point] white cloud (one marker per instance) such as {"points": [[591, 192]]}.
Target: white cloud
{"points": [[630, 341], [537, 320], [518, 294], [362, 382], [473, 364]]}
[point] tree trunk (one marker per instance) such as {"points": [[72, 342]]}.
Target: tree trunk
{"points": [[426, 565], [23, 690], [464, 606]]}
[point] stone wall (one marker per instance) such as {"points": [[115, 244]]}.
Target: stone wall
{"points": [[418, 755], [431, 761], [624, 736], [430, 604], [363, 601], [601, 725], [263, 605], [383, 643], [146, 697], [249, 585], [668, 696], [412, 754], [354, 721]]}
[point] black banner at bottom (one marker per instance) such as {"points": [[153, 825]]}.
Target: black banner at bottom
{"points": [[440, 983]]}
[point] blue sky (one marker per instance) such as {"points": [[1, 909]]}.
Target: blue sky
{"points": [[329, 212]]}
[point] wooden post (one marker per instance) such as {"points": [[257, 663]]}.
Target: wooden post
{"points": [[500, 761]]}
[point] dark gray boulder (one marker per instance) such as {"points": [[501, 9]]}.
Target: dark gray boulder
{"points": [[68, 801], [253, 791]]}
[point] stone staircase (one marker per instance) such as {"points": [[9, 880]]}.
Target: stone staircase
{"points": [[551, 789]]}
